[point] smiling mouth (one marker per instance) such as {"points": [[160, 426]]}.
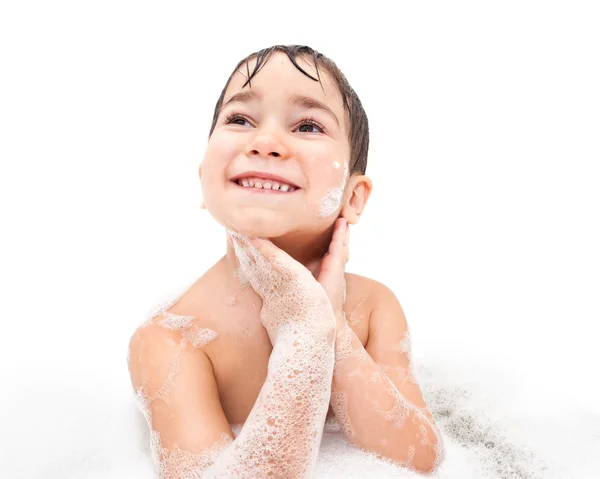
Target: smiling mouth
{"points": [[264, 186]]}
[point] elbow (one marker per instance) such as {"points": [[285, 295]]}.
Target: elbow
{"points": [[424, 460], [429, 458]]}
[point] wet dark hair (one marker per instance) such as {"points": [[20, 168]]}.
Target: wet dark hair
{"points": [[358, 135]]}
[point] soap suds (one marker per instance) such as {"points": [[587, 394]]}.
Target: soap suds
{"points": [[332, 199]]}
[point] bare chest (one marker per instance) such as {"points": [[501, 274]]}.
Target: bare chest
{"points": [[240, 355]]}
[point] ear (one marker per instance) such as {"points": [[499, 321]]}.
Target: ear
{"points": [[357, 194]]}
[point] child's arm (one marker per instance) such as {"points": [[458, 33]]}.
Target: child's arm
{"points": [[177, 393], [375, 398], [282, 434], [190, 435]]}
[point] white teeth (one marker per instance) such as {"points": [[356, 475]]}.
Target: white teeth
{"points": [[265, 184]]}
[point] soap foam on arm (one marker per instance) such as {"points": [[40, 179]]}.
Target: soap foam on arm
{"points": [[189, 433], [176, 391], [282, 434]]}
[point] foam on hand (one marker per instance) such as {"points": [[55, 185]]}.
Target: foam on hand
{"points": [[282, 433]]}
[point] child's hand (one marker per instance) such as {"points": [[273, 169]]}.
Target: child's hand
{"points": [[290, 293], [333, 264]]}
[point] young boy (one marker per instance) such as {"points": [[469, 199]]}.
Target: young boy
{"points": [[276, 338]]}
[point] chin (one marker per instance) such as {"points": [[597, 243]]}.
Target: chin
{"points": [[263, 226]]}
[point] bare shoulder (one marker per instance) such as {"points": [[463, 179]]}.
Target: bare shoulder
{"points": [[175, 323], [377, 303], [375, 293], [196, 299], [364, 297]]}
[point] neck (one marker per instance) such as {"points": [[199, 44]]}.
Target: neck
{"points": [[306, 248]]}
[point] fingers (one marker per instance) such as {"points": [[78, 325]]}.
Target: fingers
{"points": [[244, 255], [258, 250], [347, 244], [339, 230], [264, 247], [340, 241]]}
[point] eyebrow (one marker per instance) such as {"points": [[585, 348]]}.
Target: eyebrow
{"points": [[299, 100]]}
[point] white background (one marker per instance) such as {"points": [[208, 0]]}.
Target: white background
{"points": [[485, 146]]}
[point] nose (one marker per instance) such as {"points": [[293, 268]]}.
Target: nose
{"points": [[266, 144]]}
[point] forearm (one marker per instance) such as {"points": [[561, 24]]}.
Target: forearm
{"points": [[283, 431], [373, 413]]}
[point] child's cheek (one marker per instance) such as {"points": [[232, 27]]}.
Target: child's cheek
{"points": [[222, 147], [331, 201]]}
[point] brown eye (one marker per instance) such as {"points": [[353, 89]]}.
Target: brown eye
{"points": [[309, 126], [309, 122], [234, 118]]}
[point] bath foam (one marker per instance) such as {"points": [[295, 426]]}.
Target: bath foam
{"points": [[400, 373], [242, 282], [352, 317], [332, 200], [185, 325], [470, 424], [176, 321], [340, 399], [232, 300], [161, 307], [406, 344], [484, 439]]}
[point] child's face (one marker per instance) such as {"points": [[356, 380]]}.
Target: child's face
{"points": [[270, 134]]}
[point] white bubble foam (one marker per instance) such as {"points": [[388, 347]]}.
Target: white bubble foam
{"points": [[488, 429], [332, 199], [186, 326], [175, 321], [353, 318], [200, 337]]}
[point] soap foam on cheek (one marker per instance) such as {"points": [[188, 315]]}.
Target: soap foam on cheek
{"points": [[333, 198]]}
